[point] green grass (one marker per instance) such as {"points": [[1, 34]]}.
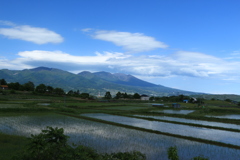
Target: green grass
{"points": [[219, 103], [11, 105], [127, 108], [217, 111], [11, 145]]}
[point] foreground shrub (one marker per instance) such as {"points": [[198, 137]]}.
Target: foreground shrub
{"points": [[173, 154], [51, 144], [134, 155]]}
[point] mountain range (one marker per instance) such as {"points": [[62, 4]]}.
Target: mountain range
{"points": [[93, 83]]}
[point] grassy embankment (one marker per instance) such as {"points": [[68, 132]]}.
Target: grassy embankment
{"points": [[11, 145]]}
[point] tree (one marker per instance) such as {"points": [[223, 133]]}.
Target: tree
{"points": [[29, 86], [15, 86], [118, 95], [50, 89], [3, 82], [59, 91], [41, 88], [152, 98], [70, 92], [228, 100], [108, 95], [125, 95], [78, 92], [136, 96], [84, 95]]}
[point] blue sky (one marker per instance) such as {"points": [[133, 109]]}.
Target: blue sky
{"points": [[186, 44]]}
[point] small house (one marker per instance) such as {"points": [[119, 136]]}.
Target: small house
{"points": [[185, 101], [145, 97], [194, 99], [176, 105], [3, 87]]}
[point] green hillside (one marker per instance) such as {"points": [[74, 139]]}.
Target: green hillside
{"points": [[93, 83]]}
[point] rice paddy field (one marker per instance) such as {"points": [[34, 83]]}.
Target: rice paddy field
{"points": [[120, 126], [231, 116], [176, 111]]}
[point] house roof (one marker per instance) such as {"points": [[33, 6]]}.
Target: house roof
{"points": [[4, 86]]}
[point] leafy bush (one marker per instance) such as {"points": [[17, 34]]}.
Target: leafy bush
{"points": [[199, 158], [51, 144], [134, 155], [173, 155]]}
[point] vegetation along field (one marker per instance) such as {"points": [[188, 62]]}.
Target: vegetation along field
{"points": [[205, 129]]}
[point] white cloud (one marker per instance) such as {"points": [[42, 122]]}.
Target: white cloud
{"points": [[61, 60], [132, 42], [6, 23], [31, 34], [189, 64], [58, 56], [13, 64], [86, 29], [234, 53]]}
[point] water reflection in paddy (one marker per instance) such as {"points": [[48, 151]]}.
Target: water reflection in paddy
{"points": [[171, 111], [233, 116], [197, 132], [109, 138], [208, 123]]}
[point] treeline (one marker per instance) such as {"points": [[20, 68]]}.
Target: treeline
{"points": [[40, 89], [29, 86], [45, 89], [120, 95], [179, 98]]}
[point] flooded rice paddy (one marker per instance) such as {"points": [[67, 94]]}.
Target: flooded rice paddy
{"points": [[231, 116], [171, 111], [227, 137], [184, 120], [109, 138]]}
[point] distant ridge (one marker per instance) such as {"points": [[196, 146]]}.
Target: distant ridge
{"points": [[93, 83], [120, 78], [41, 68]]}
